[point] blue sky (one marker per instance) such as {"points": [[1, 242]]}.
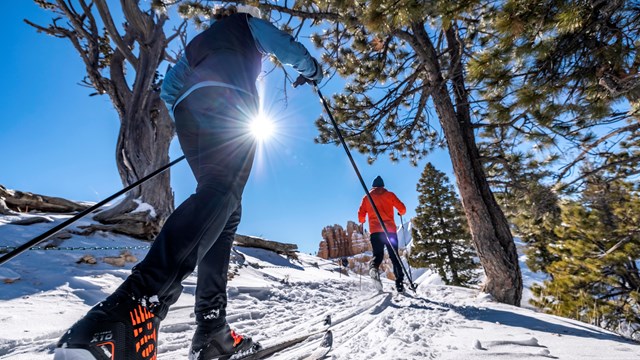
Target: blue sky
{"points": [[56, 140]]}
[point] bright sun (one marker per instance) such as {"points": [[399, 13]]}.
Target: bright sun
{"points": [[262, 127]]}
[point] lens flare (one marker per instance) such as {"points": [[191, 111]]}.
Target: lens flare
{"points": [[262, 127]]}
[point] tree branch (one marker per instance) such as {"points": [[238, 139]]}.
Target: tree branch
{"points": [[589, 147], [105, 14]]}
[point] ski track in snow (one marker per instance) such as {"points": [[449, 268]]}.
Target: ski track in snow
{"points": [[272, 299]]}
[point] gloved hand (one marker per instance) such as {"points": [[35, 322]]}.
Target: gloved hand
{"points": [[301, 80]]}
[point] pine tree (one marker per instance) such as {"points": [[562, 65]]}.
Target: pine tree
{"points": [[441, 239], [551, 73], [596, 277], [404, 65], [531, 206]]}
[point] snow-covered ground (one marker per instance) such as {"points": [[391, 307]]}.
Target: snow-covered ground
{"points": [[272, 298]]}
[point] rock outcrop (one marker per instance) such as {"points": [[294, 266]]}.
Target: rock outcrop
{"points": [[338, 242]]}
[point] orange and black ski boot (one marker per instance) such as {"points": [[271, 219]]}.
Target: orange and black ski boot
{"points": [[119, 328], [220, 343]]}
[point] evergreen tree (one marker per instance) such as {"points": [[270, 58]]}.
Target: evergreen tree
{"points": [[441, 239], [404, 65], [531, 206], [552, 73], [596, 277]]}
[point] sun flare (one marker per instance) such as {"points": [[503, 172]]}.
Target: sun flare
{"points": [[262, 127]]}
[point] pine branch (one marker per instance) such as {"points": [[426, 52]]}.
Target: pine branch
{"points": [[313, 15], [589, 147]]}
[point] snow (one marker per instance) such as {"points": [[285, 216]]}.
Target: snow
{"points": [[273, 298], [144, 207]]}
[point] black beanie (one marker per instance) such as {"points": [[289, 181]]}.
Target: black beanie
{"points": [[377, 182]]}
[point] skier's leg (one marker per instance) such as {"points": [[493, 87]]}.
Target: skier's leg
{"points": [[214, 134], [213, 336], [220, 151], [392, 249], [377, 247], [211, 292]]}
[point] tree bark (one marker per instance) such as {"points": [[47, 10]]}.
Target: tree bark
{"points": [[488, 225], [146, 129]]}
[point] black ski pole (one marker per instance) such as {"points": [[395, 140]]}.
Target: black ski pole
{"points": [[42, 237], [364, 186]]}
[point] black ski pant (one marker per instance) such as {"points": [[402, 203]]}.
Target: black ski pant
{"points": [[212, 125], [378, 243]]}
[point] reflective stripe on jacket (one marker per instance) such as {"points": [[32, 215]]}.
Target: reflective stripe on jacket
{"points": [[180, 79]]}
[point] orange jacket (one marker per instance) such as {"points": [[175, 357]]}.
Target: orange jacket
{"points": [[385, 202]]}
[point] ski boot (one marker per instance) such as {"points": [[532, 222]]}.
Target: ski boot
{"points": [[220, 343], [375, 276], [119, 328], [400, 287]]}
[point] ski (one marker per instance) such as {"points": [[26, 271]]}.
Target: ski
{"points": [[264, 352], [324, 347]]}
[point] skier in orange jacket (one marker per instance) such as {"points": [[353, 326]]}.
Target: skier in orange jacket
{"points": [[385, 201]]}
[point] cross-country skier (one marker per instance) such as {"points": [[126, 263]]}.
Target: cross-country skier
{"points": [[385, 202], [212, 95]]}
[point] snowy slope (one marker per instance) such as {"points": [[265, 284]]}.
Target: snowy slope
{"points": [[273, 298]]}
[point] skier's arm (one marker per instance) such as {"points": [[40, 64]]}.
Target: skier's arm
{"points": [[362, 211], [271, 40], [398, 205]]}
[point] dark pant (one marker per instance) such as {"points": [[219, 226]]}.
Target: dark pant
{"points": [[378, 242], [213, 129]]}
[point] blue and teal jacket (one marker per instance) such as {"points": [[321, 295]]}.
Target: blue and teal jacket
{"points": [[229, 54]]}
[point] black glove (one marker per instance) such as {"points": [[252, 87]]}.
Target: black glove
{"points": [[301, 80]]}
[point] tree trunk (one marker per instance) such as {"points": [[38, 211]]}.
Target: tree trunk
{"points": [[146, 129], [488, 225], [143, 146], [260, 243]]}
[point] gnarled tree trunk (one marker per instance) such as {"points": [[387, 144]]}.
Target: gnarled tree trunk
{"points": [[146, 129]]}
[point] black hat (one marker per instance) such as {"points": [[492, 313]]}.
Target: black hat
{"points": [[378, 182]]}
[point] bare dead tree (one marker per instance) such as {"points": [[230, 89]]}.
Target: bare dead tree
{"points": [[108, 51]]}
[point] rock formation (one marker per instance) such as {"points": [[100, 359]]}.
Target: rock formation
{"points": [[338, 242]]}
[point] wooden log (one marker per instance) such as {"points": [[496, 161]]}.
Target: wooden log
{"points": [[31, 220], [26, 201], [256, 242], [4, 210]]}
